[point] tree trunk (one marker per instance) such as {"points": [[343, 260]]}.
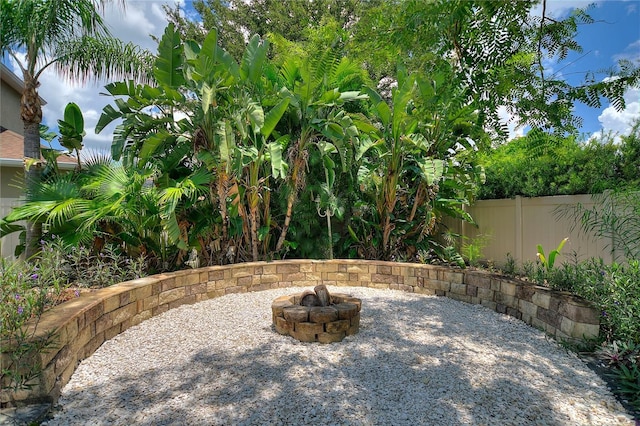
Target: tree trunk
{"points": [[31, 115], [297, 179]]}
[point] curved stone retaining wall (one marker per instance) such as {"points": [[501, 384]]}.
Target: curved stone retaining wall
{"points": [[83, 324]]}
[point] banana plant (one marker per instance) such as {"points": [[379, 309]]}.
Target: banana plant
{"points": [[72, 130], [316, 113]]}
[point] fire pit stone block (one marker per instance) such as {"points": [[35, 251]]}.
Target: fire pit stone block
{"points": [[324, 324]]}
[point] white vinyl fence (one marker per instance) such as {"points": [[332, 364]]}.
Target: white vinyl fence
{"points": [[517, 226]]}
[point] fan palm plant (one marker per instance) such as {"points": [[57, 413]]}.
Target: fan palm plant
{"points": [[71, 37]]}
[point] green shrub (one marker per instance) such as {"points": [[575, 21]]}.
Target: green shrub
{"points": [[543, 165], [614, 288], [28, 288]]}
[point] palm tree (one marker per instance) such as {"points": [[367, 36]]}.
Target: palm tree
{"points": [[71, 36]]}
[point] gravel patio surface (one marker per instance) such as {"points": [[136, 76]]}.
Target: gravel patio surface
{"points": [[417, 360]]}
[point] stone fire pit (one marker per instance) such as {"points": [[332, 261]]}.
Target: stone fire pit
{"points": [[317, 316]]}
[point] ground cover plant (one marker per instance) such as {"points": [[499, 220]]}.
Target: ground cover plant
{"points": [[61, 272]]}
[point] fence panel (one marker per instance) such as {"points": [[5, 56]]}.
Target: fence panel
{"points": [[517, 226]]}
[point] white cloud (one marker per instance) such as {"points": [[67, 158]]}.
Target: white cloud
{"points": [[561, 8], [135, 24], [621, 122], [510, 120]]}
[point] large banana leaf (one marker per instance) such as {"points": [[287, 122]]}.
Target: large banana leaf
{"points": [[273, 117], [168, 65], [253, 59]]}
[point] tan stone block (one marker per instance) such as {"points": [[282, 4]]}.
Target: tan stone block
{"points": [[579, 312], [352, 330], [269, 269], [308, 327], [384, 269], [156, 288], [364, 278], [382, 286], [125, 298], [304, 337], [355, 320], [65, 375], [215, 293], [170, 283], [295, 276], [452, 276], [313, 276], [358, 268], [48, 379], [485, 293], [477, 279], [282, 326], [331, 337], [383, 278], [112, 332], [458, 288], [337, 326], [160, 309], [187, 300], [437, 285], [411, 281], [459, 297], [488, 304], [150, 302], [262, 287], [528, 308], [199, 288], [338, 276], [83, 337], [235, 289], [171, 295], [541, 298], [142, 292], [506, 300], [318, 314], [203, 276], [266, 279], [192, 278], [289, 268], [495, 284], [566, 326], [472, 290], [216, 275], [71, 330], [111, 303], [240, 273], [326, 267], [584, 331], [93, 345], [404, 287], [508, 288], [421, 271], [307, 267], [422, 290]]}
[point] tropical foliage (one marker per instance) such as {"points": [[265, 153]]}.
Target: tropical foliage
{"points": [[561, 165], [70, 36]]}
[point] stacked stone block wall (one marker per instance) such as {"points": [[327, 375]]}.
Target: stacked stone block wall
{"points": [[83, 324]]}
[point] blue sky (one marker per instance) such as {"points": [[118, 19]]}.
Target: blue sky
{"points": [[615, 35]]}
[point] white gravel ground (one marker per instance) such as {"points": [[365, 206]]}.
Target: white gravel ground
{"points": [[417, 360]]}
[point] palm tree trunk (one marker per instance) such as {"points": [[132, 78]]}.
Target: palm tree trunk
{"points": [[31, 115], [297, 176]]}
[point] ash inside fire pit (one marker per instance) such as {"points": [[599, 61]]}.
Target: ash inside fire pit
{"points": [[317, 316]]}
